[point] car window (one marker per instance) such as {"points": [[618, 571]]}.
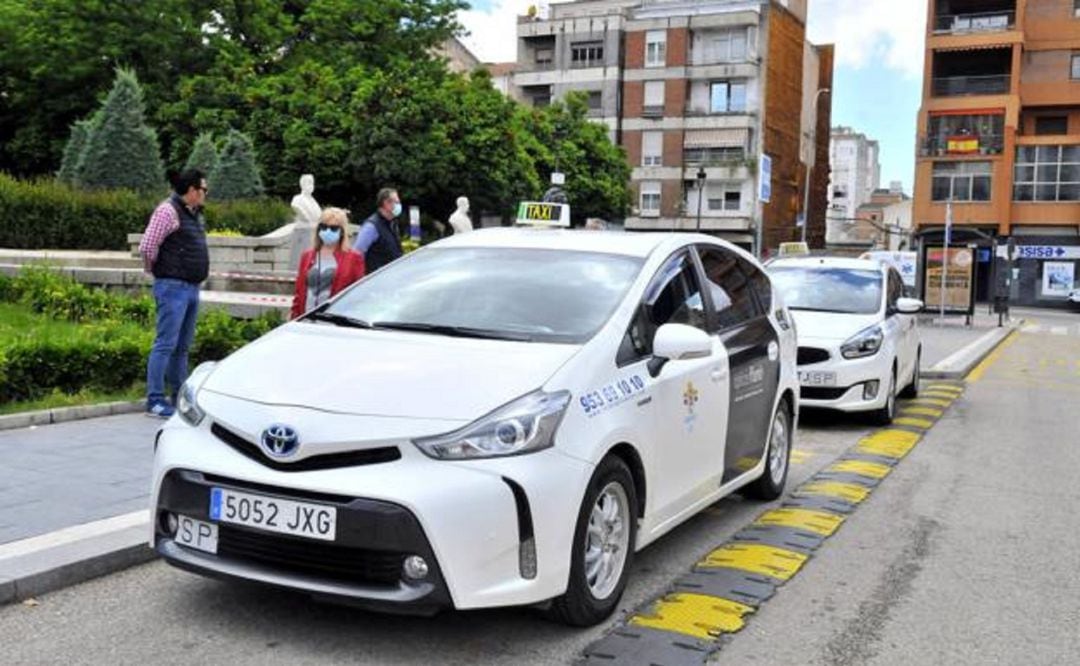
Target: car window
{"points": [[896, 291], [673, 297], [730, 285], [822, 289]]}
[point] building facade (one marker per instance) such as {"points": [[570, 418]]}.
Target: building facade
{"points": [[856, 171], [696, 91], [999, 140]]}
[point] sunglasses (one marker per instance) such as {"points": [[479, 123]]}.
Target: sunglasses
{"points": [[323, 226]]}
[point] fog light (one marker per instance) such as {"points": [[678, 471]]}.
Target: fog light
{"points": [[415, 568], [527, 559], [870, 389], [171, 523]]}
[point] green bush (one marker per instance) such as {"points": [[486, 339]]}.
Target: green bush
{"points": [[46, 214]]}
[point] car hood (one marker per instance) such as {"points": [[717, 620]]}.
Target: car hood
{"points": [[385, 373], [830, 326]]}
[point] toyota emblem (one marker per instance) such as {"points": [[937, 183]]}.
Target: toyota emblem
{"points": [[280, 441]]}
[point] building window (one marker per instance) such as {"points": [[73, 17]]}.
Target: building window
{"points": [[965, 134], [1051, 125], [1047, 173], [650, 198], [540, 101], [656, 48], [596, 101], [728, 199], [1076, 8], [961, 181], [1075, 66], [652, 148], [586, 54], [726, 46], [544, 57], [654, 98], [713, 156], [727, 97]]}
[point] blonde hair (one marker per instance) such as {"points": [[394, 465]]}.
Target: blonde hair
{"points": [[338, 217]]}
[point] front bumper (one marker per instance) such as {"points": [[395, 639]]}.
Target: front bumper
{"points": [[852, 377], [361, 567]]}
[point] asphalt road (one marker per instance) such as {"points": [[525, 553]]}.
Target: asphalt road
{"points": [[966, 554]]}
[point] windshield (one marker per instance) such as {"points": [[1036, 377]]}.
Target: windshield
{"points": [[502, 293], [829, 289]]}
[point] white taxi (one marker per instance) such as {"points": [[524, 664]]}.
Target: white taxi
{"points": [[859, 344], [500, 418]]}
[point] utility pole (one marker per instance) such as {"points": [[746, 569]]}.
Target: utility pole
{"points": [[811, 164], [945, 255], [701, 175]]}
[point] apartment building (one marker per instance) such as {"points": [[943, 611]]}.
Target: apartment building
{"points": [[999, 140], [696, 91], [856, 171]]}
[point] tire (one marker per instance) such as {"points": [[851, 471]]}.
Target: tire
{"points": [[885, 415], [588, 603], [912, 389], [770, 484]]}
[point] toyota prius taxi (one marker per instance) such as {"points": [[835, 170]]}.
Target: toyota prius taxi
{"points": [[859, 345], [499, 418]]}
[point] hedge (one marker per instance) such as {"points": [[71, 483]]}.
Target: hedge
{"points": [[47, 214], [111, 359]]}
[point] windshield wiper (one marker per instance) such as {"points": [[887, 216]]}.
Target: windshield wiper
{"points": [[337, 319], [453, 331]]}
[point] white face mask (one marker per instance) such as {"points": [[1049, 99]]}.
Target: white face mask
{"points": [[330, 236]]}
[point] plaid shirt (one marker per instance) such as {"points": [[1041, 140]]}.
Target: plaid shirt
{"points": [[163, 222]]}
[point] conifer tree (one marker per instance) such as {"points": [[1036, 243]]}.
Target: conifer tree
{"points": [[237, 174], [204, 154]]}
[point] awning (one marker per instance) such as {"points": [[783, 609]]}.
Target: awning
{"points": [[973, 47], [717, 138]]}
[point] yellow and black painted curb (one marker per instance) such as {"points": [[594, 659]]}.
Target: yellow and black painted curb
{"points": [[685, 624]]}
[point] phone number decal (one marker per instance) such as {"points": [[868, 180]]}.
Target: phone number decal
{"points": [[610, 395]]}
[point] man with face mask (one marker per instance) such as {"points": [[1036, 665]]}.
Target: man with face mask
{"points": [[379, 240]]}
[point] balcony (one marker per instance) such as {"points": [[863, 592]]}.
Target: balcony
{"points": [[962, 146], [961, 24], [955, 86]]}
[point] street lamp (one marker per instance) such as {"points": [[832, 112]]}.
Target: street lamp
{"points": [[701, 175], [810, 167]]}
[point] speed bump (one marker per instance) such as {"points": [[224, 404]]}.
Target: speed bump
{"points": [[921, 411], [849, 492], [932, 402], [755, 558], [740, 586], [818, 522], [861, 468], [889, 443], [951, 388], [696, 615], [913, 422], [784, 538]]}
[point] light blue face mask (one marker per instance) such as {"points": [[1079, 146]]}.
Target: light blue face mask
{"points": [[330, 236], [397, 209]]}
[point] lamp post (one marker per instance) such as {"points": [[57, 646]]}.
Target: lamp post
{"points": [[701, 175], [810, 166]]}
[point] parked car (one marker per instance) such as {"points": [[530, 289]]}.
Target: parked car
{"points": [[859, 344], [498, 418]]}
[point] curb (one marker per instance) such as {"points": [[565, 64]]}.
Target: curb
{"points": [[73, 555], [963, 361], [64, 414]]}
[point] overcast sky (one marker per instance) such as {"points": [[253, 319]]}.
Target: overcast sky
{"points": [[877, 81]]}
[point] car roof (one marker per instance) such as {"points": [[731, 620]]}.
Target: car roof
{"points": [[633, 244], [844, 263]]}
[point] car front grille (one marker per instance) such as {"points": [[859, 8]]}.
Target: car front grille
{"points": [[821, 392], [325, 560], [808, 355], [250, 449]]}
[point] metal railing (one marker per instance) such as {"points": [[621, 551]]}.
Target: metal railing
{"points": [[988, 144], [976, 22], [949, 86]]}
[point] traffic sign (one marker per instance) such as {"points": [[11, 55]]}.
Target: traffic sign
{"points": [[765, 179]]}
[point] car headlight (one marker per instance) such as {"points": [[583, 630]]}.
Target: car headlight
{"points": [[866, 342], [525, 425], [186, 404]]}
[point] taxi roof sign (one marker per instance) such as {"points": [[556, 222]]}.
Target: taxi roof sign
{"points": [[794, 249], [542, 214]]}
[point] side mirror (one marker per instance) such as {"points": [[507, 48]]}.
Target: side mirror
{"points": [[678, 342], [909, 306]]}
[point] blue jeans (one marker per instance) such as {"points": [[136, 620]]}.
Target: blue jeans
{"points": [[177, 310]]}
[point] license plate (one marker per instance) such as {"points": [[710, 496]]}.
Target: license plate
{"points": [[197, 534], [303, 519], [817, 378]]}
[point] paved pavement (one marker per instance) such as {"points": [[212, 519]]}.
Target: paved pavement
{"points": [[942, 338]]}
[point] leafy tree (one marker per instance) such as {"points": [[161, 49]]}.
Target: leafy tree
{"points": [[237, 174], [121, 150], [73, 151], [204, 155]]}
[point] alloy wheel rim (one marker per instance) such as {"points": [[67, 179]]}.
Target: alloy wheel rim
{"points": [[607, 540], [778, 448]]}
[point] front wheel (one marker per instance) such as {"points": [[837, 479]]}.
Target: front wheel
{"points": [[603, 547], [912, 389], [887, 413], [770, 484]]}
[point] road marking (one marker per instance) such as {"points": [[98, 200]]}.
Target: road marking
{"points": [[976, 374], [890, 443], [913, 422], [817, 522], [860, 467], [697, 615], [849, 492], [776, 562], [922, 411]]}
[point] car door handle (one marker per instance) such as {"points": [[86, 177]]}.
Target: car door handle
{"points": [[718, 375]]}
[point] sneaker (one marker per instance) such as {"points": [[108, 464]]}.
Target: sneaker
{"points": [[159, 409]]}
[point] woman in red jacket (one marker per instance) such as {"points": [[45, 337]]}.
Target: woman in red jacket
{"points": [[329, 266]]}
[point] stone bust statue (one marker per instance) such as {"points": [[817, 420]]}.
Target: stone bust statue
{"points": [[307, 209], [460, 219]]}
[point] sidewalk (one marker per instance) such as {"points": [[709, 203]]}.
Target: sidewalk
{"points": [[73, 496], [942, 339]]}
